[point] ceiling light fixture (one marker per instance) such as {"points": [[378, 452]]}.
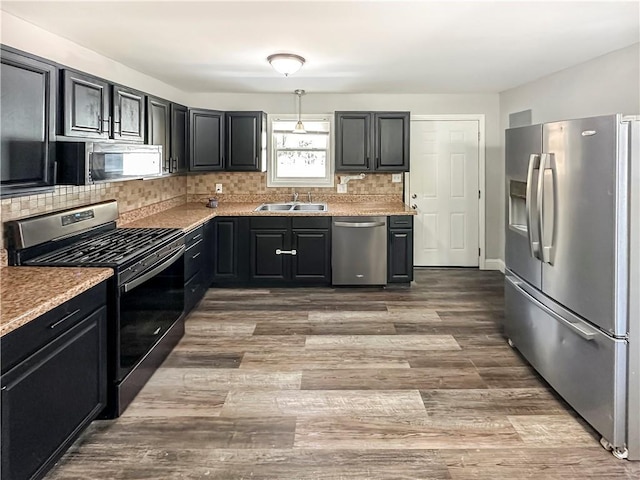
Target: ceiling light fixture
{"points": [[286, 63], [299, 126]]}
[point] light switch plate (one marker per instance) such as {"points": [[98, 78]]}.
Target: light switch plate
{"points": [[218, 188], [342, 188], [396, 178]]}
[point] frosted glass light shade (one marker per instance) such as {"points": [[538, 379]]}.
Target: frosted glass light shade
{"points": [[286, 63]]}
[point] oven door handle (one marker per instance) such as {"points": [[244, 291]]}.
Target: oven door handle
{"points": [[127, 287]]}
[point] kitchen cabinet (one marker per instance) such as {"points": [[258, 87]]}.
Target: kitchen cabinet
{"points": [[53, 383], [159, 128], [194, 272], [246, 141], [290, 250], [206, 140], [93, 108], [400, 249], [372, 141], [27, 109], [179, 128], [230, 238]]}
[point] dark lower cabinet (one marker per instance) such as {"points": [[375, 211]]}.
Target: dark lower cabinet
{"points": [[290, 250], [400, 249], [231, 259], [27, 109], [54, 390], [196, 267]]}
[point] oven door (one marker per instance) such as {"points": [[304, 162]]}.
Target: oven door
{"points": [[148, 306]]}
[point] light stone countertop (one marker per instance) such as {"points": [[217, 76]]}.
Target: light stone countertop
{"points": [[28, 292], [191, 215]]}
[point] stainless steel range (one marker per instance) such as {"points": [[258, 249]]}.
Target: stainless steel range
{"points": [[146, 295]]}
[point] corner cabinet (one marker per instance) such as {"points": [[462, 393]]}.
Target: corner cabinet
{"points": [[28, 109], [400, 249], [93, 108], [372, 141], [246, 141], [159, 128], [206, 140], [53, 383], [230, 237]]}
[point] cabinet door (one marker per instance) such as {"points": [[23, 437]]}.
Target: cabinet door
{"points": [[312, 262], [27, 109], [269, 255], [206, 140], [246, 141], [51, 396], [230, 238], [158, 118], [400, 256], [86, 106], [353, 141], [128, 114], [179, 119], [391, 141]]}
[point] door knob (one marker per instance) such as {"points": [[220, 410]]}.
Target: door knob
{"points": [[414, 206], [414, 196]]}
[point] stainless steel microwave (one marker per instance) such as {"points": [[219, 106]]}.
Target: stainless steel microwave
{"points": [[86, 163]]}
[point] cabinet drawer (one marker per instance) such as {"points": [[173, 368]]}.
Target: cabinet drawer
{"points": [[194, 290], [401, 221], [25, 340], [311, 222], [269, 222], [193, 236], [193, 257]]}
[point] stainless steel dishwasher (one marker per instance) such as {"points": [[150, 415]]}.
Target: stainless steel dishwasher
{"points": [[359, 251]]}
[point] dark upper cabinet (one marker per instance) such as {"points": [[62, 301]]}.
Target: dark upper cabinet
{"points": [[353, 141], [400, 249], [391, 141], [128, 114], [246, 141], [86, 106], [179, 124], [206, 140], [94, 108], [372, 141], [27, 109], [158, 128]]}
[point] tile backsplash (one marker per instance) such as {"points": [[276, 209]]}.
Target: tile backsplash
{"points": [[255, 183]]}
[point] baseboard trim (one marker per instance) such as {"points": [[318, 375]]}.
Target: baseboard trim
{"points": [[494, 264]]}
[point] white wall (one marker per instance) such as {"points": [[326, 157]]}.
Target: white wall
{"points": [[417, 104], [604, 85], [22, 35]]}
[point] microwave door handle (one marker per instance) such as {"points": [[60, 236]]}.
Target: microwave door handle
{"points": [[127, 287], [534, 246]]}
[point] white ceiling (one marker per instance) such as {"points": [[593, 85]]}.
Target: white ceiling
{"points": [[350, 46]]}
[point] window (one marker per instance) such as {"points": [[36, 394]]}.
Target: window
{"points": [[300, 159]]}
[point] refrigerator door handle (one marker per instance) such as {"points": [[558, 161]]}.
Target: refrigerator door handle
{"points": [[534, 247], [578, 329], [546, 194]]}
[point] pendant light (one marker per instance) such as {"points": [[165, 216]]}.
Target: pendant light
{"points": [[299, 126]]}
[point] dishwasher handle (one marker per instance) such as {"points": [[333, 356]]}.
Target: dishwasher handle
{"points": [[359, 224]]}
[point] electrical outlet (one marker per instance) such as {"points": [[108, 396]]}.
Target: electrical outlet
{"points": [[218, 188], [396, 178], [342, 188]]}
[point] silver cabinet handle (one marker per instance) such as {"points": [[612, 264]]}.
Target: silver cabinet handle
{"points": [[64, 319], [534, 247], [286, 252]]}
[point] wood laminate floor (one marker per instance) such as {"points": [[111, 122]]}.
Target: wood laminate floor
{"points": [[349, 383]]}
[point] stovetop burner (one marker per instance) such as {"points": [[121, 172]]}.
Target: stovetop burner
{"points": [[113, 248]]}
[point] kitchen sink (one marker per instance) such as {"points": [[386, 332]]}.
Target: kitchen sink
{"points": [[292, 207]]}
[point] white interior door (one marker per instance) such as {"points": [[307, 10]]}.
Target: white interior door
{"points": [[443, 186]]}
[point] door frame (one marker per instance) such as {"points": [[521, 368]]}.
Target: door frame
{"points": [[480, 118]]}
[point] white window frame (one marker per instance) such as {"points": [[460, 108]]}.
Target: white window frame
{"points": [[327, 181]]}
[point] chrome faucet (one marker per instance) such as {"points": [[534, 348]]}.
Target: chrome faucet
{"points": [[295, 196]]}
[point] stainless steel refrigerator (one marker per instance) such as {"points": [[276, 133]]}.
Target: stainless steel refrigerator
{"points": [[572, 256]]}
